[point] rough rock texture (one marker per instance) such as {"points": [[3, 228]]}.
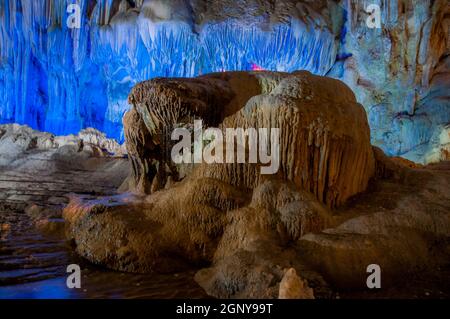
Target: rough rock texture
{"points": [[38, 174], [17, 140], [164, 232], [253, 250], [267, 236], [81, 77], [36, 167], [194, 223], [61, 80], [323, 135], [402, 225], [441, 146], [228, 214], [293, 287], [399, 73]]}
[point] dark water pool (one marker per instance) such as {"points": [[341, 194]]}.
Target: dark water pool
{"points": [[33, 265]]}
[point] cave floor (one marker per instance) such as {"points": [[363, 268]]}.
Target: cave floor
{"points": [[385, 195], [33, 252]]}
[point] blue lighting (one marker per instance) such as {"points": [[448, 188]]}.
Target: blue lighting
{"points": [[46, 289], [61, 80]]}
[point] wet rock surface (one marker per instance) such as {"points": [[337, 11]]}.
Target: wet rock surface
{"points": [[218, 216], [248, 231], [35, 185]]}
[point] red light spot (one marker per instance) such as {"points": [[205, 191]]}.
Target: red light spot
{"points": [[256, 67]]}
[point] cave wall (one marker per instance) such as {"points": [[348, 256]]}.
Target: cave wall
{"points": [[59, 79]]}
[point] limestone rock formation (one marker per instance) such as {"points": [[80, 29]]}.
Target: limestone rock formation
{"points": [[79, 78], [253, 250], [439, 146], [16, 140], [403, 226], [38, 170], [38, 174], [336, 205], [398, 72], [293, 287], [228, 214], [323, 135], [165, 232]]}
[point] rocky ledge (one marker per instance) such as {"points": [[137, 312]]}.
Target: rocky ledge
{"points": [[39, 171], [335, 206]]}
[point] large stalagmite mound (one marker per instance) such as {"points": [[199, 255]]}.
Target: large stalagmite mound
{"points": [[260, 235], [324, 136]]}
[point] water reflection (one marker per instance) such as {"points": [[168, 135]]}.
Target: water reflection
{"points": [[46, 289]]}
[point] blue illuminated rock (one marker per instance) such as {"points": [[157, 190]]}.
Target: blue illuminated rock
{"points": [[61, 80]]}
